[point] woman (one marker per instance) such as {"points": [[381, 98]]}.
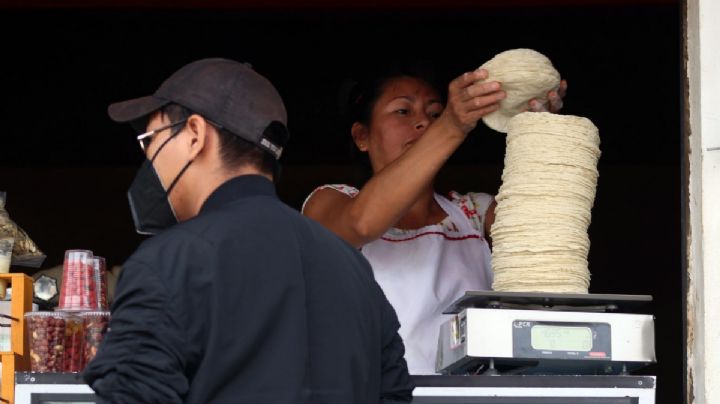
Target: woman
{"points": [[426, 250]]}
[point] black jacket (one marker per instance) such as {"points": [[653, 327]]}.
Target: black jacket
{"points": [[249, 302]]}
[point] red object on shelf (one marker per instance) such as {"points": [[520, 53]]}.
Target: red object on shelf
{"points": [[79, 290]]}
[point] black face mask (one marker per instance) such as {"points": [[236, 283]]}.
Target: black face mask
{"points": [[149, 202]]}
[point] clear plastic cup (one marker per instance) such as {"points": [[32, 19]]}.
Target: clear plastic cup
{"points": [[46, 337], [79, 289], [100, 276], [74, 344], [95, 324], [6, 249]]}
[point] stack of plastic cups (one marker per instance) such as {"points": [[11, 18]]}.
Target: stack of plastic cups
{"points": [[78, 291], [95, 322], [65, 340], [76, 294]]}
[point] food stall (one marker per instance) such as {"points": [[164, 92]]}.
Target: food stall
{"points": [[451, 386]]}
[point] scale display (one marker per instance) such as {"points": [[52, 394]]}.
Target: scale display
{"points": [[558, 340], [561, 338]]}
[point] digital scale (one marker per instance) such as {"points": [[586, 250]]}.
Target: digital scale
{"points": [[513, 333]]}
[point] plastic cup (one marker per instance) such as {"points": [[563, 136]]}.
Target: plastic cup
{"points": [[74, 344], [100, 277], [6, 248], [79, 289], [46, 337], [95, 324]]}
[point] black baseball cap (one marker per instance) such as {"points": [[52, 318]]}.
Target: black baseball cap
{"points": [[228, 93]]}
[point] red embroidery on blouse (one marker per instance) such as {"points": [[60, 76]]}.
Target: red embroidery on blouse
{"points": [[468, 212], [463, 201], [436, 233]]}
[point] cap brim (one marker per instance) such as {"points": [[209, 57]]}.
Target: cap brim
{"points": [[131, 110]]}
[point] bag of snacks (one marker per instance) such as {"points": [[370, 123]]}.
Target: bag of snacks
{"points": [[25, 251]]}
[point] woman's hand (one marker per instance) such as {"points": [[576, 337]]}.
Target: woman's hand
{"points": [[554, 100], [470, 98]]}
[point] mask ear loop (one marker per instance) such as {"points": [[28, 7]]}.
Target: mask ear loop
{"points": [[172, 135], [177, 177]]}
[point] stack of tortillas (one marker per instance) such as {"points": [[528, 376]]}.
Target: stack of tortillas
{"points": [[540, 239]]}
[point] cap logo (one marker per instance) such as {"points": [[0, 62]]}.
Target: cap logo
{"points": [[277, 151]]}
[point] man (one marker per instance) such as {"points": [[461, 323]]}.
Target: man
{"points": [[244, 300]]}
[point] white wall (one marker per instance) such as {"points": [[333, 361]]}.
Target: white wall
{"points": [[703, 69]]}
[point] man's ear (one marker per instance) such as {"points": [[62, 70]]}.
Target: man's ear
{"points": [[197, 128], [360, 136]]}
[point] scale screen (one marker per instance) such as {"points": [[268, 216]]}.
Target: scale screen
{"points": [[559, 338]]}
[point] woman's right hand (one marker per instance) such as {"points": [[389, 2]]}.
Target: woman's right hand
{"points": [[471, 98]]}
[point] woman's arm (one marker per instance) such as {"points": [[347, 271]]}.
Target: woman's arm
{"points": [[388, 195]]}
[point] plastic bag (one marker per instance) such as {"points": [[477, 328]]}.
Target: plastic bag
{"points": [[6, 246], [25, 252]]}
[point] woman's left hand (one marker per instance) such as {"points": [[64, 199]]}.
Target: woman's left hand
{"points": [[554, 100]]}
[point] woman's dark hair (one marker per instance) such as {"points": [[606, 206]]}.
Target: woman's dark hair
{"points": [[234, 151]]}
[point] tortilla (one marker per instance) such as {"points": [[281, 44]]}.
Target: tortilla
{"points": [[524, 74]]}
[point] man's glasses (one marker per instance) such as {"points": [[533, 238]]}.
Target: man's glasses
{"points": [[145, 138]]}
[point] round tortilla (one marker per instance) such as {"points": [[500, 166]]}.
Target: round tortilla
{"points": [[524, 74]]}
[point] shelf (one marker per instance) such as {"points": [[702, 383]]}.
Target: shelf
{"points": [[17, 359]]}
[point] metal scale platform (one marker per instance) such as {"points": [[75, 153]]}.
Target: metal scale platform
{"points": [[510, 333]]}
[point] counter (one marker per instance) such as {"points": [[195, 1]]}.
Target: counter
{"points": [[39, 388], [442, 389]]}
